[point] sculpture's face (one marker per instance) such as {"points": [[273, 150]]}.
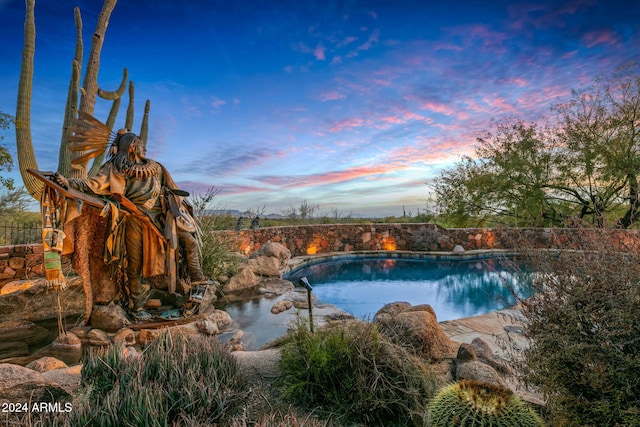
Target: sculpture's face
{"points": [[137, 151]]}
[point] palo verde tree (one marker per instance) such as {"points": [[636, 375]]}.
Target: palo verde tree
{"points": [[78, 98], [582, 163]]}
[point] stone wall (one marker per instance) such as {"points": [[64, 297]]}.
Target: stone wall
{"points": [[26, 261], [315, 239], [21, 262]]}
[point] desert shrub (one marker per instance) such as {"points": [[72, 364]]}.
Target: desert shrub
{"points": [[176, 380], [473, 403], [353, 372], [584, 330], [216, 254]]}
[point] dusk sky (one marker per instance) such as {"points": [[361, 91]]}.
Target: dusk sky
{"points": [[352, 105]]}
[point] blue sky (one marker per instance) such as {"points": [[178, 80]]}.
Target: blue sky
{"points": [[351, 105]]}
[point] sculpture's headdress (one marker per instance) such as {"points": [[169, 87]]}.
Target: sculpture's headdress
{"points": [[91, 135]]}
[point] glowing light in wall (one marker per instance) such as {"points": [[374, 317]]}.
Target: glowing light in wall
{"points": [[389, 244]]}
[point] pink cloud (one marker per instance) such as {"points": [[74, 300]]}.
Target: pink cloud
{"points": [[594, 38], [332, 96], [217, 102], [319, 52], [373, 38], [349, 123], [437, 107], [330, 177], [569, 54]]}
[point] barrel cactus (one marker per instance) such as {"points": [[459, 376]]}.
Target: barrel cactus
{"points": [[473, 403]]}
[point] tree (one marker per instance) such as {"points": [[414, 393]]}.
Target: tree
{"points": [[583, 331], [6, 161], [583, 163]]}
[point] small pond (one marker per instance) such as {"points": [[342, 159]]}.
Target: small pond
{"points": [[456, 288]]}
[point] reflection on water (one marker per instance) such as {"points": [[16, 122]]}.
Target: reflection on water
{"points": [[258, 324], [455, 289]]}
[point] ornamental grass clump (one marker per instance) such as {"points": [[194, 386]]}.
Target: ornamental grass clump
{"points": [[176, 380], [473, 403], [352, 372]]}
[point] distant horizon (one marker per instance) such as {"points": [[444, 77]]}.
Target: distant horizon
{"points": [[354, 106]]}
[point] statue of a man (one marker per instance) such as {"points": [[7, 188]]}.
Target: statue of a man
{"points": [[159, 222]]}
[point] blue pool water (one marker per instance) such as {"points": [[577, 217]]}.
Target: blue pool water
{"points": [[454, 288]]}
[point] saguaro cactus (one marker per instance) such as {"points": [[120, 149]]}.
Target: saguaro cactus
{"points": [[89, 92]]}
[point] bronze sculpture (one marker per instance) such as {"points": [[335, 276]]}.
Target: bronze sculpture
{"points": [[150, 220]]}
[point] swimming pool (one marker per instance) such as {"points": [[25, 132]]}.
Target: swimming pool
{"points": [[455, 288]]}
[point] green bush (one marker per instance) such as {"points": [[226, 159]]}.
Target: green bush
{"points": [[584, 329], [473, 403], [177, 380], [354, 373]]}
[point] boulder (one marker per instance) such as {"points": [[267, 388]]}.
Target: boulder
{"points": [[220, 318], [110, 318], [47, 363], [265, 266], [36, 302], [20, 384], [273, 249], [145, 336], [417, 328], [485, 355], [273, 287], [243, 280], [124, 336], [98, 338], [466, 353], [67, 347], [479, 371], [281, 306], [207, 327]]}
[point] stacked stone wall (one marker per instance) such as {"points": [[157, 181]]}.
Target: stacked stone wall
{"points": [[26, 261], [20, 262], [316, 239]]}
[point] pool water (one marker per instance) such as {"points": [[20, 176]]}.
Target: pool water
{"points": [[454, 288]]}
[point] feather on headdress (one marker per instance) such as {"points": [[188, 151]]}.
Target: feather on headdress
{"points": [[88, 134]]}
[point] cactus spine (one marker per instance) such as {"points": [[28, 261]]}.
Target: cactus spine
{"points": [[473, 403]]}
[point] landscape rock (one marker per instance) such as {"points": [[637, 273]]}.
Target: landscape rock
{"points": [[145, 336], [110, 318], [265, 266], [466, 353], [220, 318], [274, 287], [281, 306], [485, 355], [207, 327], [66, 347], [417, 328], [124, 336], [67, 378], [20, 384], [479, 371], [38, 303], [99, 338], [273, 249], [47, 363], [244, 279]]}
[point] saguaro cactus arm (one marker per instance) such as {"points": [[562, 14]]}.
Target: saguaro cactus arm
{"points": [[24, 142]]}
